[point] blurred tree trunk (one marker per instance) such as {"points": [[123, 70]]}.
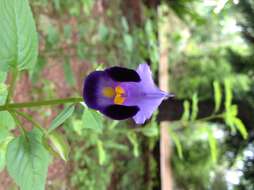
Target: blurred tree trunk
{"points": [[165, 145]]}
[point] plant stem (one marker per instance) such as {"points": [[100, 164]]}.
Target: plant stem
{"points": [[18, 123], [211, 117], [40, 103]]}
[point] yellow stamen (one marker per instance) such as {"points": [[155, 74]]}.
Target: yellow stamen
{"points": [[119, 99], [108, 92], [119, 90]]}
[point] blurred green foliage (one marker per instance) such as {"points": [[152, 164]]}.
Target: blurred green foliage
{"points": [[210, 59], [108, 154]]}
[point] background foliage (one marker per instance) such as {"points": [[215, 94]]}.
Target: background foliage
{"points": [[52, 45]]}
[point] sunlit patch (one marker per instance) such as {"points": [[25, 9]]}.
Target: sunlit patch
{"points": [[108, 92]]}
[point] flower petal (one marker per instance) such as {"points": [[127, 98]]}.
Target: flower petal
{"points": [[121, 74], [144, 94], [94, 90], [120, 112]]}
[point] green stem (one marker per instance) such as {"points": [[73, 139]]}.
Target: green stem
{"points": [[18, 123], [40, 103], [211, 117], [181, 125]]}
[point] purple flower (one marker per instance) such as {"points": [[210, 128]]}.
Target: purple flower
{"points": [[121, 93]]}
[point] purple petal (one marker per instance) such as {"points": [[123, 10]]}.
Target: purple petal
{"points": [[93, 87], [120, 112], [122, 74], [144, 94]]}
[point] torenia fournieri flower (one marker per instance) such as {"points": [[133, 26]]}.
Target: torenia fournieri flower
{"points": [[122, 93]]}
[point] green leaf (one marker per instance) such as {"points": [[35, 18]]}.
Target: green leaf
{"points": [[233, 110], [18, 36], [228, 94], [103, 32], [194, 108], [177, 142], [125, 24], [186, 112], [59, 145], [77, 126], [128, 42], [217, 95], [213, 146], [230, 115], [134, 141], [57, 4], [67, 31], [3, 76], [92, 120], [87, 6], [3, 93], [35, 74], [101, 152], [6, 120], [3, 149], [52, 35], [27, 161], [152, 129], [62, 117], [240, 127]]}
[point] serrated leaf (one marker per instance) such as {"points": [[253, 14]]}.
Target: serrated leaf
{"points": [[233, 110], [228, 94], [186, 111], [27, 161], [177, 142], [59, 144], [217, 95], [229, 120], [92, 120], [18, 37], [6, 120], [194, 107], [230, 115], [61, 117], [101, 152], [240, 127], [213, 146]]}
